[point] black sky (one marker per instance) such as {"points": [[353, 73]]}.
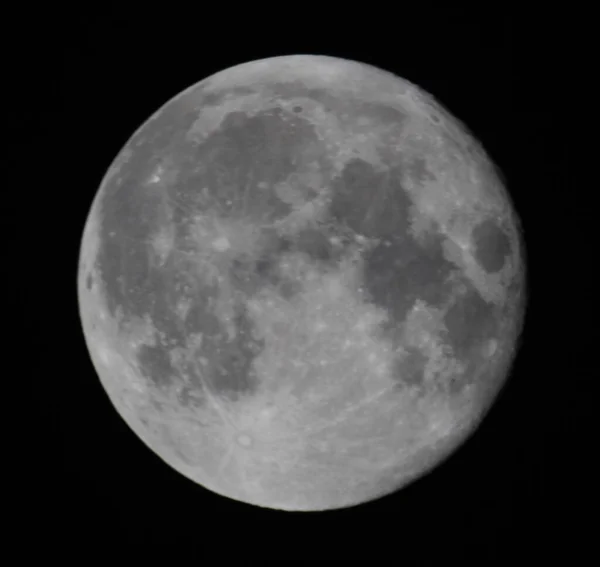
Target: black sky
{"points": [[520, 480]]}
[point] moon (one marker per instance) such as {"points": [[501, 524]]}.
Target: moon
{"points": [[301, 283]]}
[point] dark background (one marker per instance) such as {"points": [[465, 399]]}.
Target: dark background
{"points": [[85, 83]]}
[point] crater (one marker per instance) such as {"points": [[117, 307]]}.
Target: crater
{"points": [[491, 245], [471, 321]]}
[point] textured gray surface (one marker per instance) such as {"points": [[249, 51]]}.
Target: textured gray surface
{"points": [[208, 257]]}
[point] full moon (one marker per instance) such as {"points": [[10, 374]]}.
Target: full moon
{"points": [[301, 283]]}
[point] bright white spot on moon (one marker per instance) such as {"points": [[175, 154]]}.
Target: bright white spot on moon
{"points": [[221, 244], [244, 440], [155, 177], [104, 354], [492, 347]]}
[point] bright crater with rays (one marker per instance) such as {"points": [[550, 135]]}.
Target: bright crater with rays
{"points": [[301, 283]]}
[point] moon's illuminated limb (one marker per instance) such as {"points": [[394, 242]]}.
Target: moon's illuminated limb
{"points": [[346, 407]]}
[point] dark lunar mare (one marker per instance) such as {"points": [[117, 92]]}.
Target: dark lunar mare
{"points": [[492, 245], [222, 176], [231, 175], [398, 270], [242, 153]]}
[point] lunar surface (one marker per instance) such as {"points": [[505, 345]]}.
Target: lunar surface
{"points": [[301, 283]]}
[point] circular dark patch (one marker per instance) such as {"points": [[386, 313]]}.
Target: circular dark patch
{"points": [[470, 322], [492, 245]]}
